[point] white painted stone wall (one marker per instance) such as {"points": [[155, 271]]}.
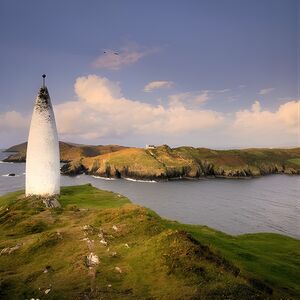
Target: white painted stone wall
{"points": [[43, 161]]}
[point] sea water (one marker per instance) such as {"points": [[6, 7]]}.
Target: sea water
{"points": [[235, 206]]}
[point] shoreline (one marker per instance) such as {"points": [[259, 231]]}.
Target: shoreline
{"points": [[158, 179], [165, 164], [188, 224]]}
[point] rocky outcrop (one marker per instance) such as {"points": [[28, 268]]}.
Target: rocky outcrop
{"points": [[16, 157], [194, 171], [73, 168], [51, 202], [164, 163]]}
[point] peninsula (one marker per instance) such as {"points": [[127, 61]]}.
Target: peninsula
{"points": [[163, 162]]}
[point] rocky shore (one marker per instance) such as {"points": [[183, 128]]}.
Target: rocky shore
{"points": [[199, 170], [164, 163]]}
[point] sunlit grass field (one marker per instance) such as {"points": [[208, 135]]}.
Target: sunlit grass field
{"points": [[141, 256]]}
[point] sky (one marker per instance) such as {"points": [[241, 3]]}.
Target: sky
{"points": [[204, 73]]}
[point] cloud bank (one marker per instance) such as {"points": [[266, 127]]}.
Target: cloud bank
{"points": [[12, 121], [268, 128], [101, 113]]}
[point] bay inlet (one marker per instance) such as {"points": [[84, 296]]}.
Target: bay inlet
{"points": [[265, 204]]}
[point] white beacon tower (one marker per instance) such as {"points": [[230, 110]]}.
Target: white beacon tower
{"points": [[42, 159]]}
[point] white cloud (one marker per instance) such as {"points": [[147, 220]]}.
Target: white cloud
{"points": [[192, 98], [115, 60], [189, 98], [202, 97], [263, 127], [13, 120], [160, 84], [179, 99], [285, 118], [265, 91], [102, 111]]}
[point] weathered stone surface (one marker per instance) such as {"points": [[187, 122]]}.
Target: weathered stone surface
{"points": [[10, 250], [73, 168], [51, 202], [92, 260]]}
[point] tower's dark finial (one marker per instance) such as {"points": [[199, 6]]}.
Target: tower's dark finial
{"points": [[44, 76]]}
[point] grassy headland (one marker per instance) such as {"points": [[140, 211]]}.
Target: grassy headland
{"points": [[68, 151], [164, 162], [140, 255]]}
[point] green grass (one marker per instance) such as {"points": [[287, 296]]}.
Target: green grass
{"points": [[86, 196], [164, 162], [271, 258], [159, 259], [9, 198], [295, 161]]}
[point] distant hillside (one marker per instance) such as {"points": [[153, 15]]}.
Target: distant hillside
{"points": [[17, 148], [68, 151], [188, 162], [164, 162]]}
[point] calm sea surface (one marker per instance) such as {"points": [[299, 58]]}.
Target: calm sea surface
{"points": [[266, 204]]}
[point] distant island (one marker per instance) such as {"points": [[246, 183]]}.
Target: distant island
{"points": [[163, 162]]}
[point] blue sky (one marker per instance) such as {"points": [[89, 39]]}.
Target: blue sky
{"points": [[225, 53]]}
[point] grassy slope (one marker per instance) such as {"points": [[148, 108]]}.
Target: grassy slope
{"points": [[269, 257], [164, 162], [162, 262], [126, 161], [295, 161], [68, 151]]}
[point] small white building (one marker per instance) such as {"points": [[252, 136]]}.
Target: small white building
{"points": [[43, 159], [150, 147]]}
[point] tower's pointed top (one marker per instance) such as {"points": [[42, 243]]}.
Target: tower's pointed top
{"points": [[43, 99], [44, 76]]}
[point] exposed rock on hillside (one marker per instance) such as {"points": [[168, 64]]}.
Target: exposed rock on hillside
{"points": [[187, 162], [166, 163]]}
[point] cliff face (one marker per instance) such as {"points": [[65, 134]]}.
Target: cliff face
{"points": [[167, 163], [187, 162]]}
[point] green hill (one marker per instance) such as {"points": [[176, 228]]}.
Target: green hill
{"points": [[164, 162], [68, 151], [188, 162], [100, 246]]}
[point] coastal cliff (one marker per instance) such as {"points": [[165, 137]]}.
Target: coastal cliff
{"points": [[163, 162], [187, 162]]}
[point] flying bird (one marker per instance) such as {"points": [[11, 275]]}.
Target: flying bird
{"points": [[106, 52]]}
